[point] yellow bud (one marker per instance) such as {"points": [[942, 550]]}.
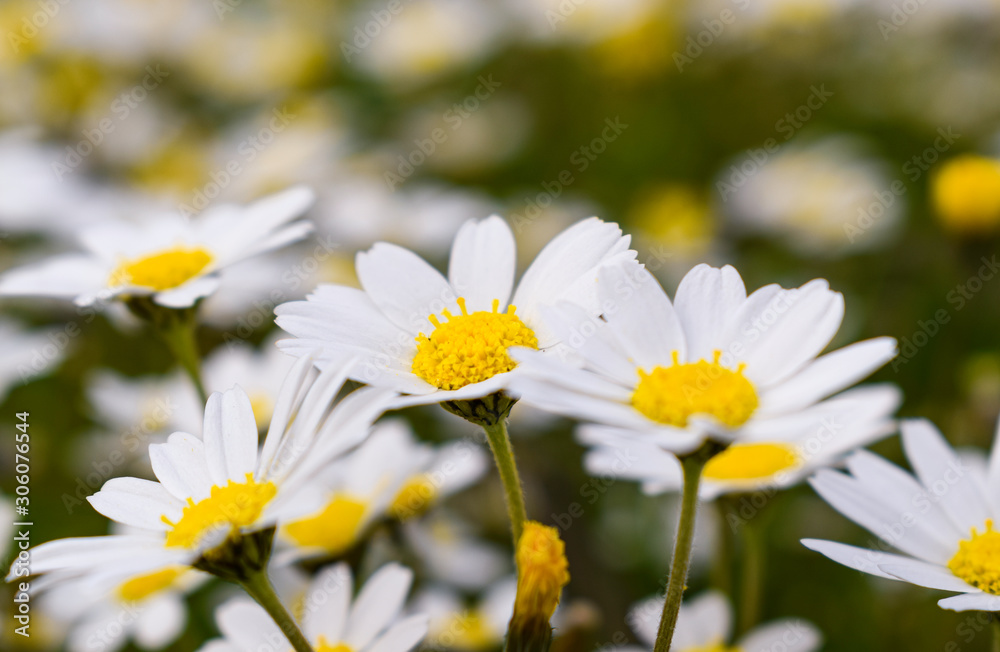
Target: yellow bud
{"points": [[966, 194], [542, 571]]}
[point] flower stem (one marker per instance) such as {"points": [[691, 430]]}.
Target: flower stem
{"points": [[996, 633], [753, 573], [179, 334], [259, 587], [503, 453], [692, 466]]}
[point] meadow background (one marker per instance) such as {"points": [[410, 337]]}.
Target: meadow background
{"points": [[793, 139]]}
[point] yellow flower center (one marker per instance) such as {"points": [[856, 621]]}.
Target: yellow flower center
{"points": [[263, 409], [465, 631], [542, 571], [673, 394], [978, 560], [414, 498], [164, 270], [751, 462], [236, 505], [966, 193], [469, 349], [323, 646], [334, 528], [143, 586], [714, 647]]}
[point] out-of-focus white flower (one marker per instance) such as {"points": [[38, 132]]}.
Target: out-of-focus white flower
{"points": [[6, 525], [423, 40], [219, 486], [714, 364], [259, 372], [705, 623], [107, 608], [146, 405], [452, 554], [371, 622], [584, 23], [393, 323], [825, 199], [455, 625], [173, 259], [27, 354], [390, 474], [950, 544]]}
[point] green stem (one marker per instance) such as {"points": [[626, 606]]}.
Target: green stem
{"points": [[722, 570], [754, 558], [692, 466], [503, 453], [179, 334], [996, 633], [259, 587]]}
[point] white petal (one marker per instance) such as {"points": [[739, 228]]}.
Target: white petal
{"points": [[327, 603], [180, 466], [640, 315], [248, 626], [961, 495], [65, 276], [404, 286], [705, 620], [591, 338], [188, 294], [482, 262], [706, 299], [785, 635], [926, 575], [230, 436], [378, 604], [547, 368], [993, 474], [136, 502], [862, 559], [162, 620], [402, 636], [971, 602]]}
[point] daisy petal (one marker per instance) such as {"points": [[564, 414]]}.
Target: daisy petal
{"points": [[784, 635], [971, 602], [639, 313], [706, 299], [481, 268], [378, 604], [180, 466], [403, 636], [926, 575], [136, 502], [862, 559]]}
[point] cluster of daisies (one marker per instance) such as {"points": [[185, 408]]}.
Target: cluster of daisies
{"points": [[275, 486]]}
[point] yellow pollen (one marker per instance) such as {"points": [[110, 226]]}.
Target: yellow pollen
{"points": [[334, 528], [966, 194], [162, 271], [542, 571], [413, 498], [978, 560], [469, 349], [751, 462], [236, 505], [466, 631], [323, 646], [143, 586], [674, 394]]}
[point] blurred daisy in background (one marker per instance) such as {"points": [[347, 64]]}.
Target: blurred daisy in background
{"points": [[457, 624], [705, 623], [29, 354], [715, 364], [452, 554], [394, 321], [941, 518], [965, 193], [173, 259], [826, 198], [391, 475], [332, 617]]}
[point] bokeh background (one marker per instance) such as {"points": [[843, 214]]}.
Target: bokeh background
{"points": [[847, 139]]}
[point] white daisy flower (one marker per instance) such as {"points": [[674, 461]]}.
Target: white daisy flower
{"points": [[440, 339], [705, 624], [941, 518], [219, 486], [104, 608], [28, 354], [332, 621], [171, 258], [390, 474], [145, 405], [260, 372], [458, 626], [451, 553], [715, 364]]}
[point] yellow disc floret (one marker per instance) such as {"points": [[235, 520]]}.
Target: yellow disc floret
{"points": [[715, 647], [413, 498], [673, 394], [323, 646], [749, 462], [334, 528], [469, 349], [236, 505], [966, 194], [467, 630], [164, 270], [141, 587], [978, 560], [542, 571]]}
